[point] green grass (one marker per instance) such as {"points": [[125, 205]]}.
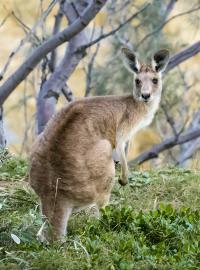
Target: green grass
{"points": [[11, 168], [153, 223]]}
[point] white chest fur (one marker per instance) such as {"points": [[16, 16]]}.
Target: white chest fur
{"points": [[146, 119]]}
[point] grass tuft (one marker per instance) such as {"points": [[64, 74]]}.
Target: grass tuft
{"points": [[11, 167]]}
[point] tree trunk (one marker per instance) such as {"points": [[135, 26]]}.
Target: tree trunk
{"points": [[48, 46], [57, 81], [2, 135]]}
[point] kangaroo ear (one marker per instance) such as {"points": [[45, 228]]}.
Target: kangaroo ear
{"points": [[130, 60], [160, 60]]}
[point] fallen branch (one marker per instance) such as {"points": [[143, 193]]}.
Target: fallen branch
{"points": [[166, 144]]}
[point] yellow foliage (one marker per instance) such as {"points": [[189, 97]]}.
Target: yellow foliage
{"points": [[77, 82], [141, 142], [195, 161], [101, 18]]}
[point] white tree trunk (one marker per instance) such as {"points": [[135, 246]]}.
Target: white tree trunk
{"points": [[2, 135]]}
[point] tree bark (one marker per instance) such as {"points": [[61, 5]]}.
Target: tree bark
{"points": [[190, 148], [41, 51], [166, 144], [2, 135], [182, 56], [45, 103]]}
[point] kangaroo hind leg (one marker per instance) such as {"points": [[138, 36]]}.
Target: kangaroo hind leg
{"points": [[56, 212]]}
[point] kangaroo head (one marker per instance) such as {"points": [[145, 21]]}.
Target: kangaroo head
{"points": [[147, 78]]}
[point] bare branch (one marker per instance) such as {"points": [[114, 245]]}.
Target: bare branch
{"points": [[183, 55], [2, 135], [166, 144], [164, 23], [26, 38], [185, 83], [25, 27], [103, 36], [5, 19], [190, 148], [23, 71], [27, 123], [170, 120], [189, 153], [58, 20], [67, 93], [71, 59], [51, 89], [91, 65], [170, 7], [89, 71]]}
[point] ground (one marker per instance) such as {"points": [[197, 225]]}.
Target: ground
{"points": [[153, 223]]}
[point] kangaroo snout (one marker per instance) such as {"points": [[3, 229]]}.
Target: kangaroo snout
{"points": [[146, 97]]}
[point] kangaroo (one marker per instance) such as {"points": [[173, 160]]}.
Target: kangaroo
{"points": [[71, 164]]}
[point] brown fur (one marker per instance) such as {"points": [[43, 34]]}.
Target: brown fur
{"points": [[75, 152], [71, 161], [147, 68]]}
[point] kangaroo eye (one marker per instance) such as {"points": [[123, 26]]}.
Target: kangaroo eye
{"points": [[138, 82], [155, 81]]}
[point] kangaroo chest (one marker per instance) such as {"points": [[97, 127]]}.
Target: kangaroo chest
{"points": [[144, 120]]}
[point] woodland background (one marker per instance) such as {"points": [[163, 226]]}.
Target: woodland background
{"points": [[160, 232], [90, 64]]}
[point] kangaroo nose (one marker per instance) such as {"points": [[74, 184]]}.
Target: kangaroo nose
{"points": [[146, 96]]}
